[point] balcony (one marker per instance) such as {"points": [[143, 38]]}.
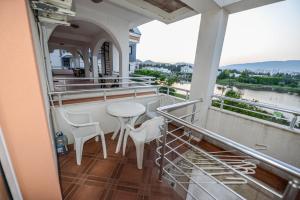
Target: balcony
{"points": [[190, 152], [204, 152]]}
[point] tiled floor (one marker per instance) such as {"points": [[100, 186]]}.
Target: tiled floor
{"points": [[117, 177]]}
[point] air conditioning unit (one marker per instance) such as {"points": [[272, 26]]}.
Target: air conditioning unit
{"points": [[53, 11]]}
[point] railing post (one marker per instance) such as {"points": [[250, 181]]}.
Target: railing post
{"points": [[134, 93], [168, 91], [193, 115], [293, 122], [104, 95], [59, 100], [222, 103], [162, 153], [186, 95], [291, 190], [64, 81]]}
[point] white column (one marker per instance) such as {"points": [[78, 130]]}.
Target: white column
{"points": [[95, 66], [85, 52], [208, 53], [77, 60], [111, 58], [124, 54]]}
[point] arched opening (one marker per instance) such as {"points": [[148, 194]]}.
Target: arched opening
{"points": [[83, 49]]}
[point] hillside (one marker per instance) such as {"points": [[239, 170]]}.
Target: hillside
{"points": [[289, 66]]}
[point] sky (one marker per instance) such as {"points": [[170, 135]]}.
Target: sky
{"points": [[267, 33]]}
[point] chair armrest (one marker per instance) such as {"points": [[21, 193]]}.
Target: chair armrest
{"points": [[129, 127], [86, 124]]}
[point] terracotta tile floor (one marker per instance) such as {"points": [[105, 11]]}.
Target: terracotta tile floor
{"points": [[117, 177]]}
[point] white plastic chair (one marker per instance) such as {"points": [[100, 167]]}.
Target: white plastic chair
{"points": [[147, 132], [151, 108], [153, 105], [83, 128]]}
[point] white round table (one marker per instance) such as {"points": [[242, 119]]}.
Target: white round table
{"points": [[127, 113]]}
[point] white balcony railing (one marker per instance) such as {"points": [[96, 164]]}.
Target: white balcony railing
{"points": [[199, 174], [272, 113]]}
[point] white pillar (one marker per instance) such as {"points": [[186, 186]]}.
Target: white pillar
{"points": [[85, 54], [111, 58], [124, 54], [77, 60], [208, 53], [95, 66]]}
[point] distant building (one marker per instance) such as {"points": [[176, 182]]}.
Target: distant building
{"points": [[186, 69], [160, 69], [134, 38]]}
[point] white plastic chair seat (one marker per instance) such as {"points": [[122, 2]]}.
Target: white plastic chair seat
{"points": [[147, 132], [83, 128]]}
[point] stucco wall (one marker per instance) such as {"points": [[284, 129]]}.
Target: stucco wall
{"points": [[281, 143], [23, 115]]}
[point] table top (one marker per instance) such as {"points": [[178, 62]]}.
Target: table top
{"points": [[125, 109]]}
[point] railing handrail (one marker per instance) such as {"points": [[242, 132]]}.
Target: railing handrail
{"points": [[262, 105], [287, 168], [101, 90], [102, 78]]}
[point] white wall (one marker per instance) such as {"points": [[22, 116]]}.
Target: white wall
{"points": [[281, 143]]}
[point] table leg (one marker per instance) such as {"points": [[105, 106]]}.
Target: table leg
{"points": [[116, 131], [122, 123]]}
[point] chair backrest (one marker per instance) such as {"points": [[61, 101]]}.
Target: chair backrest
{"points": [[152, 128], [151, 107], [73, 118]]}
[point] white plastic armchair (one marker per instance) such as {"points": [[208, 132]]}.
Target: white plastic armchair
{"points": [[83, 128], [153, 105], [151, 108], [147, 132]]}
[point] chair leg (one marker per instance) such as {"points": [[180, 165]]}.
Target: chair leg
{"points": [[78, 147], [139, 154], [103, 145], [125, 141]]}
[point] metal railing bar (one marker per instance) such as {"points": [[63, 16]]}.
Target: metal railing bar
{"points": [[102, 78], [263, 105], [199, 168], [241, 174], [101, 90], [253, 111], [191, 178], [294, 171]]}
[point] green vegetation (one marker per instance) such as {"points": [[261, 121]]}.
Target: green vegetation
{"points": [[257, 81], [249, 110], [165, 79], [162, 79]]}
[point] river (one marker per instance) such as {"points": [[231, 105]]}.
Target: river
{"points": [[283, 100]]}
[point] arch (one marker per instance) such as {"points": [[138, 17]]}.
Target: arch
{"points": [[104, 34]]}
